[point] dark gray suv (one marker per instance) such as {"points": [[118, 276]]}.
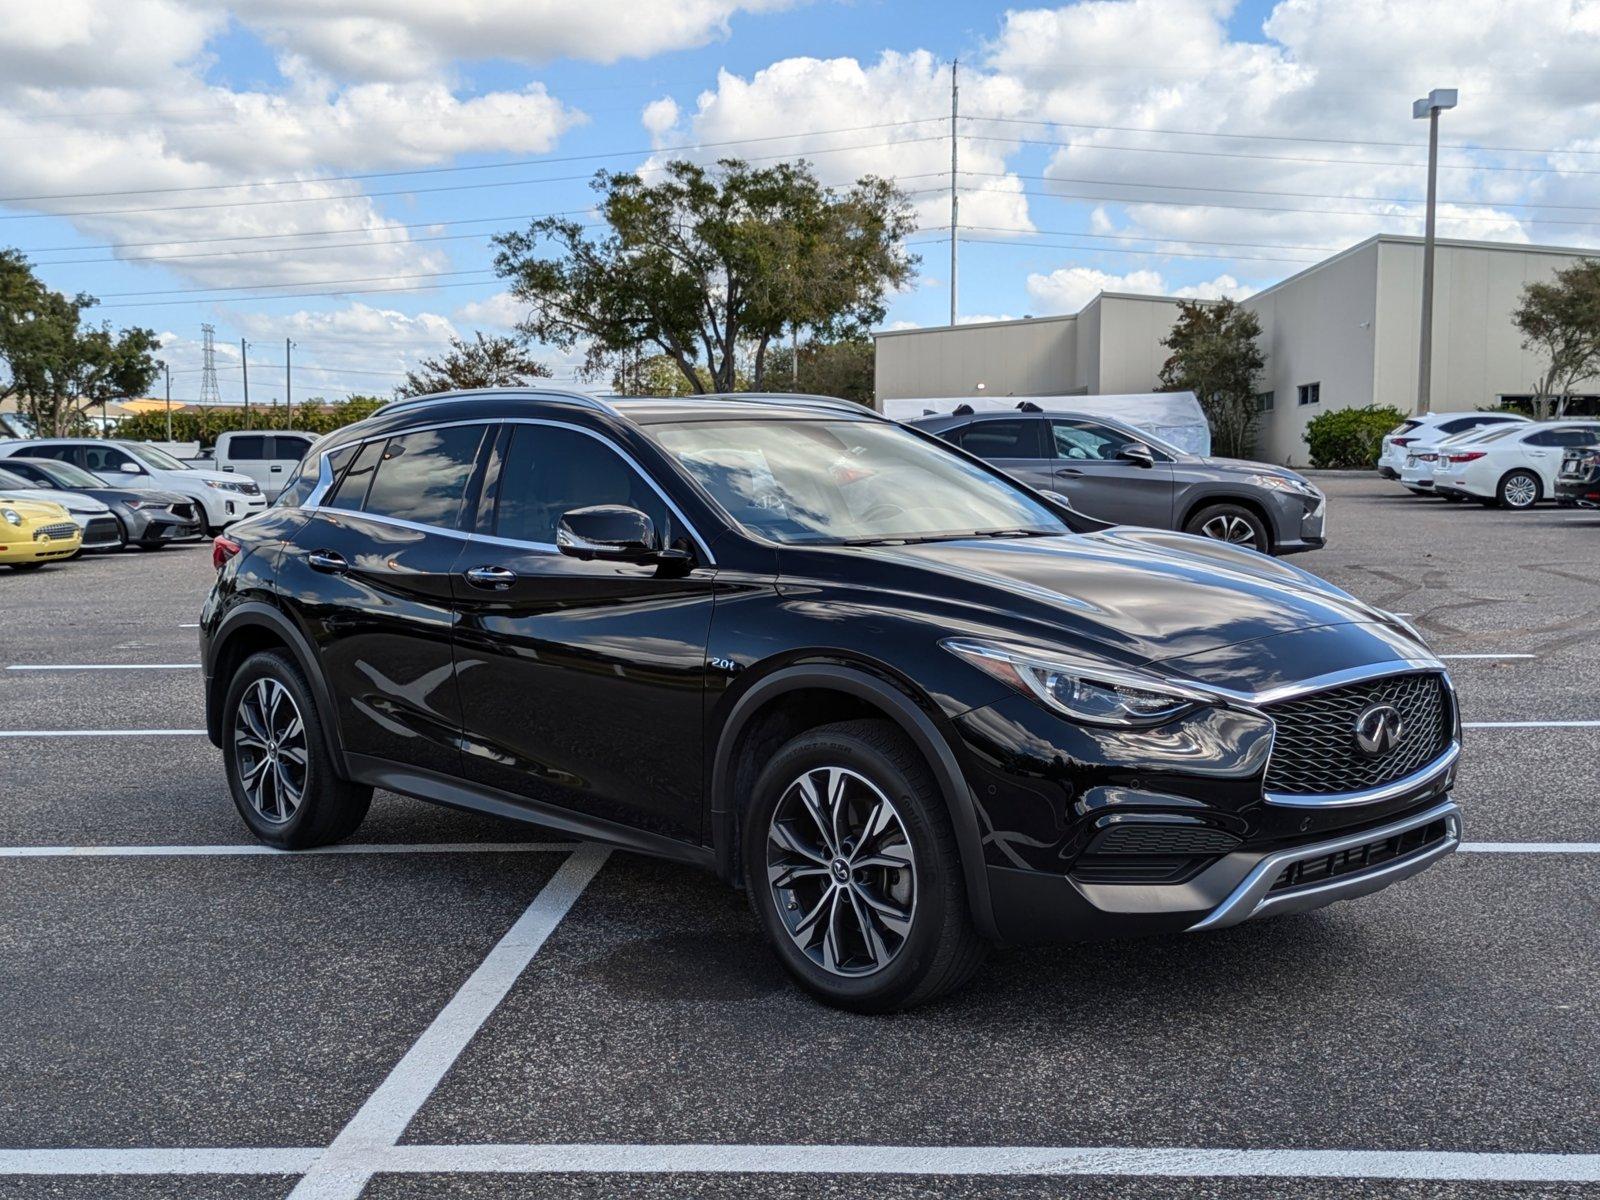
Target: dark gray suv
{"points": [[1117, 473]]}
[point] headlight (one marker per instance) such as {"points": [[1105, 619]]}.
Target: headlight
{"points": [[224, 486], [1080, 689], [11, 515], [1283, 483]]}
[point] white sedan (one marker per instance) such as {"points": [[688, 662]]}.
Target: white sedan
{"points": [[1514, 468], [1404, 446]]}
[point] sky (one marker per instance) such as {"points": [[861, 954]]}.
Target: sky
{"points": [[330, 173]]}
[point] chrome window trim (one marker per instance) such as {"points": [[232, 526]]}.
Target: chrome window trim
{"points": [[1252, 896]]}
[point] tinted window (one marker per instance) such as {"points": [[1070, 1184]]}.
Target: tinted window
{"points": [[250, 447], [62, 453], [290, 447], [105, 458], [34, 476], [423, 476], [15, 482], [549, 471], [1000, 439], [1459, 425], [305, 476], [351, 491], [1562, 437], [1084, 440]]}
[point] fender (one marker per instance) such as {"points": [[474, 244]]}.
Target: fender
{"points": [[912, 721], [256, 614]]}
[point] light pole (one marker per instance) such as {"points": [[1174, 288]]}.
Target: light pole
{"points": [[1429, 107], [166, 369]]}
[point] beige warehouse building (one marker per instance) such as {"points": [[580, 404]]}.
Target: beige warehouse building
{"points": [[1340, 334]]}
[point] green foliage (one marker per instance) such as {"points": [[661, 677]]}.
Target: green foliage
{"points": [[1350, 438], [1215, 356], [710, 267], [204, 425], [58, 365], [482, 363], [843, 369], [1560, 320], [658, 375]]}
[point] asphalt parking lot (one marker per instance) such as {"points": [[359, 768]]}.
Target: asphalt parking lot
{"points": [[457, 1006]]}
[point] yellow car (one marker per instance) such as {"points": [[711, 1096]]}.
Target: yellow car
{"points": [[32, 532]]}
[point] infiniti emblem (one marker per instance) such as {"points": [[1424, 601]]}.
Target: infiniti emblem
{"points": [[1379, 728]]}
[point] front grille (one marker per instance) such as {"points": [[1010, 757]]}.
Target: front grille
{"points": [[1360, 858], [53, 533], [1149, 838], [1314, 751], [101, 531], [184, 512]]}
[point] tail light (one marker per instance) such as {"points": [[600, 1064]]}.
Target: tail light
{"points": [[222, 549], [1467, 456], [1427, 458], [1403, 441]]}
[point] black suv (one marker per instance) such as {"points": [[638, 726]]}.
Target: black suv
{"points": [[912, 706]]}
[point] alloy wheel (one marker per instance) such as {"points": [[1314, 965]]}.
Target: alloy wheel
{"points": [[1521, 491], [269, 748], [842, 871], [1227, 527]]}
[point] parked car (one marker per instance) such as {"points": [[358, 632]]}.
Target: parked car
{"points": [[35, 532], [1418, 434], [267, 458], [1578, 481], [1113, 472], [1513, 467], [223, 499], [100, 530], [145, 518], [911, 704]]}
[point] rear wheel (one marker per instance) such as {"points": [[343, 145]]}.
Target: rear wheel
{"points": [[33, 566], [1231, 523], [277, 762], [1453, 497], [853, 871], [1518, 490]]}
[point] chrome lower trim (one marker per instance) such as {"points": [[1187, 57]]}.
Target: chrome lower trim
{"points": [[1253, 897], [1389, 791]]}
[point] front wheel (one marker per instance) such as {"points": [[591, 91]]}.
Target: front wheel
{"points": [[279, 771], [853, 870], [33, 566], [1518, 490], [1231, 523]]}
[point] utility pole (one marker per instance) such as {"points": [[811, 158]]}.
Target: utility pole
{"points": [[288, 377], [244, 363], [166, 369], [1430, 107], [210, 393], [955, 200]]}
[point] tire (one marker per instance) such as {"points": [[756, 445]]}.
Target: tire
{"points": [[1231, 523], [33, 566], [916, 870], [1519, 490], [328, 808], [1453, 497], [1419, 491]]}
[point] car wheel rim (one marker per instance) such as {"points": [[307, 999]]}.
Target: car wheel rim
{"points": [[842, 872], [1226, 527], [1521, 492], [269, 749]]}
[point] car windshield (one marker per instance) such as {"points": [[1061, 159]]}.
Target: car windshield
{"points": [[67, 475], [11, 482], [847, 482], [160, 460]]}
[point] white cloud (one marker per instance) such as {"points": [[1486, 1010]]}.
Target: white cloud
{"points": [[501, 311], [659, 116], [1068, 289]]}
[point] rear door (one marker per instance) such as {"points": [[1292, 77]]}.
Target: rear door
{"points": [[1014, 444], [369, 578], [1089, 473], [247, 454], [284, 453], [582, 682]]}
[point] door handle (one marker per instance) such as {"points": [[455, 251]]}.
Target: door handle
{"points": [[1068, 471], [275, 469], [327, 562], [496, 579]]}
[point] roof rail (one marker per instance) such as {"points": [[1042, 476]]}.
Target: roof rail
{"points": [[585, 399], [799, 400]]}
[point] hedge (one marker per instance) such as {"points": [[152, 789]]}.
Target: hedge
{"points": [[1350, 438], [203, 425]]}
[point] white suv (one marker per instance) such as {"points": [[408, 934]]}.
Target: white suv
{"points": [[1409, 448], [223, 498], [1514, 468]]}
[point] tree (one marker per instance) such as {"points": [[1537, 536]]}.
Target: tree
{"points": [[843, 369], [709, 267], [1561, 321], [58, 366], [484, 362], [1215, 356]]}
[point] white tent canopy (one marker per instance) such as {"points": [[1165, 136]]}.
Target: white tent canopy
{"points": [[1172, 416]]}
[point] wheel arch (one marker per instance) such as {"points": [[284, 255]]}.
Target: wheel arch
{"points": [[1540, 491], [247, 629], [1246, 502], [764, 707]]}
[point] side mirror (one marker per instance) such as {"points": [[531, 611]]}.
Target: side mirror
{"points": [[129, 468], [1138, 454], [607, 532]]}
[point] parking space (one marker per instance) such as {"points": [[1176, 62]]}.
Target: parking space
{"points": [[457, 1006]]}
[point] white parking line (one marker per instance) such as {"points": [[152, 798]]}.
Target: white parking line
{"points": [[75, 733], [361, 1163], [1530, 847], [342, 1173], [190, 625], [255, 849], [1530, 724], [104, 667], [1462, 656]]}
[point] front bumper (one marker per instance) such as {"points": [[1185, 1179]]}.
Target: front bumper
{"points": [[1299, 523]]}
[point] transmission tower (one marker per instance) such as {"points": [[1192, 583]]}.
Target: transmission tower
{"points": [[210, 394]]}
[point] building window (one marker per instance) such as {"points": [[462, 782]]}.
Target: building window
{"points": [[1264, 401], [1309, 393]]}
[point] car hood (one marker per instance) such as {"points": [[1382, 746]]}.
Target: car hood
{"points": [[142, 495], [1243, 466], [1144, 595], [31, 509]]}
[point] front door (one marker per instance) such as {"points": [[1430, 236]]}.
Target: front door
{"points": [[1099, 484], [581, 682], [1014, 444]]}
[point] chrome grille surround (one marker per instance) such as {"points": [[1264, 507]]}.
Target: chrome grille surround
{"points": [[56, 532], [1314, 752]]}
